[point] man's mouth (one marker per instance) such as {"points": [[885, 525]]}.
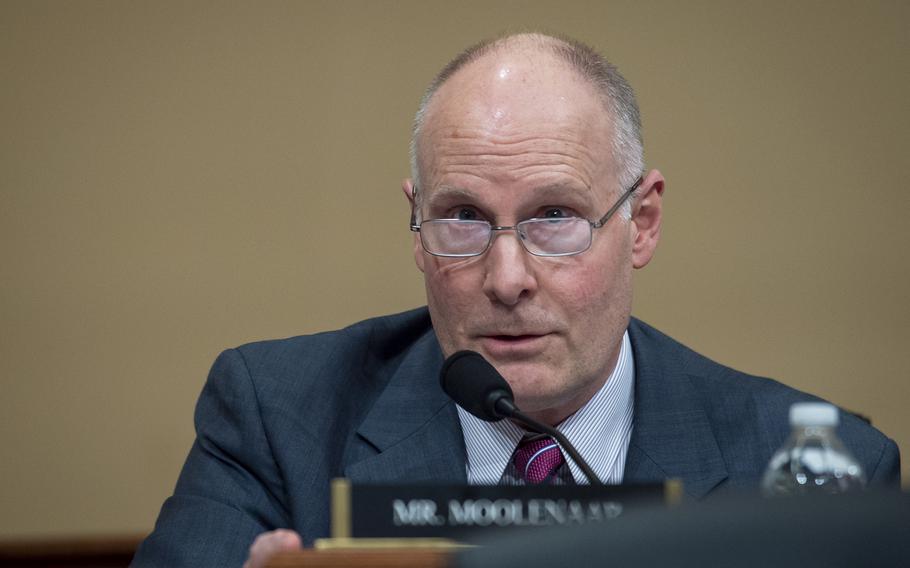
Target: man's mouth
{"points": [[511, 346]]}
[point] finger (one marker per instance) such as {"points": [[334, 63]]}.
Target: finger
{"points": [[263, 547], [268, 544]]}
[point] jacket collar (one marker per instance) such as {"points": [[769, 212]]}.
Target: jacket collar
{"points": [[671, 433], [413, 425]]}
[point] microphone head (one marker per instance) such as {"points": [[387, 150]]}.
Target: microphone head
{"points": [[473, 383]]}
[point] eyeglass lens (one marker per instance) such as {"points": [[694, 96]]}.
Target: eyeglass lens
{"points": [[454, 237]]}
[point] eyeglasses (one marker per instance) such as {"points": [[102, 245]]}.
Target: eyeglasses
{"points": [[557, 236]]}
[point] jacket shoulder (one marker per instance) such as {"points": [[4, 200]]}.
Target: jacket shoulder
{"points": [[375, 344], [750, 414]]}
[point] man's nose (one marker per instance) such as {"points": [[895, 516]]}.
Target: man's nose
{"points": [[509, 271]]}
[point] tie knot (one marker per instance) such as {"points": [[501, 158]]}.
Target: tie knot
{"points": [[537, 459]]}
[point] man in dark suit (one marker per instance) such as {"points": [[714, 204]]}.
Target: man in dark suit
{"points": [[531, 207]]}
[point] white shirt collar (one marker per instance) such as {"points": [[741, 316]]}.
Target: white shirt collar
{"points": [[600, 431]]}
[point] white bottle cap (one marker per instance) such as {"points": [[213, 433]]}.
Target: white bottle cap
{"points": [[813, 414]]}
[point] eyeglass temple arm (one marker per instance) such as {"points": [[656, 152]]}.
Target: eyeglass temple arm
{"points": [[415, 228], [618, 203]]}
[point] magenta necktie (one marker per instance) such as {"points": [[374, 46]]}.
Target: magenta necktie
{"points": [[536, 460]]}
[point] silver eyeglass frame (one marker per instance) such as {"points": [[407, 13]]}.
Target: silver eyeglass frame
{"points": [[415, 227]]}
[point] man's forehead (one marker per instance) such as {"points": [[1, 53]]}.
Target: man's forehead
{"points": [[516, 114], [511, 85]]}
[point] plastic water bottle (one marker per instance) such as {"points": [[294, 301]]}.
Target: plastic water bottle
{"points": [[813, 460]]}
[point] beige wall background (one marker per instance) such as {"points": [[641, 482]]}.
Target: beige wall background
{"points": [[181, 177]]}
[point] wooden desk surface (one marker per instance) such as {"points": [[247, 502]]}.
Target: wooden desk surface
{"points": [[391, 558]]}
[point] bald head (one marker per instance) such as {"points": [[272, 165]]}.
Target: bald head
{"points": [[520, 68]]}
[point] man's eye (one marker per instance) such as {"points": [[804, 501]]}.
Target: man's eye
{"points": [[555, 213], [466, 214]]}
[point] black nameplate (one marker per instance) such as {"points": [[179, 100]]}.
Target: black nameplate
{"points": [[457, 511]]}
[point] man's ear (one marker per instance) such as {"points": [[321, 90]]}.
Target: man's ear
{"points": [[647, 210], [407, 186]]}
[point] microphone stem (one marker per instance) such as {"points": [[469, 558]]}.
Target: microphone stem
{"points": [[563, 441]]}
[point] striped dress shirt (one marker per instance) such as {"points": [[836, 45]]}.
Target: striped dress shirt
{"points": [[600, 431]]}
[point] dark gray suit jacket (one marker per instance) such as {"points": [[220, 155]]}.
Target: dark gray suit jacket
{"points": [[277, 420]]}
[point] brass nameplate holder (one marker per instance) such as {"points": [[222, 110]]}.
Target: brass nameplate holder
{"points": [[446, 516]]}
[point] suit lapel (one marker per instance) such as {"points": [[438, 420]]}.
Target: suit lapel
{"points": [[413, 425], [672, 435]]}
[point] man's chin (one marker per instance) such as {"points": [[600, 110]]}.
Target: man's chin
{"points": [[533, 390], [524, 373]]}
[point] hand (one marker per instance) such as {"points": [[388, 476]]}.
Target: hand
{"points": [[270, 543]]}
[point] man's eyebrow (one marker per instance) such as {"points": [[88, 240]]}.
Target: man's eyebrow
{"points": [[550, 191], [448, 193], [562, 190]]}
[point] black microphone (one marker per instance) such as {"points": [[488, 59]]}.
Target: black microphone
{"points": [[475, 385]]}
